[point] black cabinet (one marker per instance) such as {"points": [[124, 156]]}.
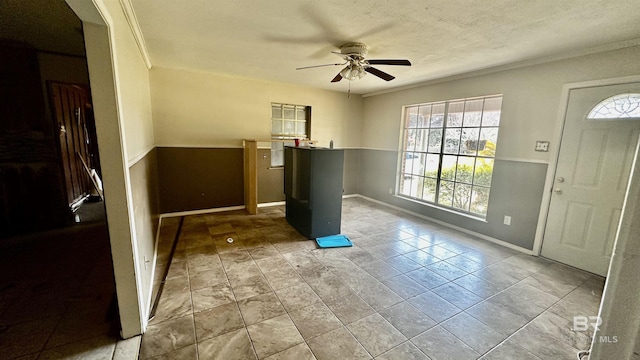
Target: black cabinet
{"points": [[313, 190]]}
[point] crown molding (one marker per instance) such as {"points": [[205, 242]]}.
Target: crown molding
{"points": [[130, 15], [510, 66]]}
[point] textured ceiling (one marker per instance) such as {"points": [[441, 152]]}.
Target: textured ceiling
{"points": [[269, 39]]}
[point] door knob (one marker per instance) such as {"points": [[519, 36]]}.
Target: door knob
{"points": [[560, 179], [557, 191]]}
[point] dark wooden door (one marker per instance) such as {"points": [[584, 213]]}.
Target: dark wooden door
{"points": [[70, 104]]}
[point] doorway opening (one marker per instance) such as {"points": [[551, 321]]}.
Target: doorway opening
{"points": [[58, 281], [77, 144]]}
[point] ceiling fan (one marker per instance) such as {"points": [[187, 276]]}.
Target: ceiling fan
{"points": [[357, 66]]}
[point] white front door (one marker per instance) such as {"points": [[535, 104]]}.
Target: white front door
{"points": [[590, 181]]}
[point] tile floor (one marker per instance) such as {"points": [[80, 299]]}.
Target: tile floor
{"points": [[407, 289], [57, 295]]}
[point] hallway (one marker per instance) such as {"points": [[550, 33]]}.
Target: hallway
{"points": [[57, 292]]}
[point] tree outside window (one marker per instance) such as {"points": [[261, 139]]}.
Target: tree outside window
{"points": [[448, 152]]}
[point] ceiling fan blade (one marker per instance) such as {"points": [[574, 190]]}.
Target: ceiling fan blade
{"points": [[337, 78], [390, 62], [315, 66], [381, 74]]}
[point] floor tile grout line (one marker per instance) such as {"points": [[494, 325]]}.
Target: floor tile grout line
{"points": [[322, 300], [484, 299], [51, 334], [377, 312], [176, 240], [380, 280], [464, 310], [244, 323], [528, 322], [193, 315]]}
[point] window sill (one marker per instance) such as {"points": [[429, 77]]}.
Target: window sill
{"points": [[441, 208]]}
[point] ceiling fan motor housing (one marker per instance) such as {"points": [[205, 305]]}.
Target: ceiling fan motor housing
{"points": [[355, 50], [354, 54]]}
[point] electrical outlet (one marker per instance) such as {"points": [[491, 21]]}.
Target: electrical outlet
{"points": [[507, 220], [390, 191]]}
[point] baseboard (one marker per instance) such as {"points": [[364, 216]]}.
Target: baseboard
{"points": [[202, 211], [282, 203], [275, 203], [351, 196], [127, 349], [153, 273], [451, 226]]}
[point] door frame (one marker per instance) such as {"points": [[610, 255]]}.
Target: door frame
{"points": [[104, 87], [554, 148]]}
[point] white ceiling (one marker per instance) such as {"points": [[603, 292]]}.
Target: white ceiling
{"points": [[269, 39]]}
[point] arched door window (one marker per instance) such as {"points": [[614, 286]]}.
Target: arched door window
{"points": [[617, 107]]}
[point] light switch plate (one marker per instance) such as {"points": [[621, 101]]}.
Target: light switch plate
{"points": [[542, 146]]}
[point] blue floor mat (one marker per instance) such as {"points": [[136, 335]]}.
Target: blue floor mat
{"points": [[334, 241]]}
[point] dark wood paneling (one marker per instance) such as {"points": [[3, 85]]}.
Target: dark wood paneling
{"points": [[144, 188], [199, 178]]}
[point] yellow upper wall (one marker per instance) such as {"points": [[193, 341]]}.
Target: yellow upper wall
{"points": [[196, 109], [132, 85], [530, 105]]}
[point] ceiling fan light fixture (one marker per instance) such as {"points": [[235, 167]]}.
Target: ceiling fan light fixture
{"points": [[353, 72], [354, 56]]}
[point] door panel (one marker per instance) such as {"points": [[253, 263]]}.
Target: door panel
{"points": [[591, 179], [574, 233], [588, 168], [69, 104]]}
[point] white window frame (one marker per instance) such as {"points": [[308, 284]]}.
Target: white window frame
{"points": [[288, 137], [431, 160]]}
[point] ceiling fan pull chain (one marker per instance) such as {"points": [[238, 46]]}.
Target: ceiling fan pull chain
{"points": [[349, 92]]}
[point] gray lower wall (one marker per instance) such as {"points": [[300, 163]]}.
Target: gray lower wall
{"points": [[516, 190], [270, 180], [352, 171]]}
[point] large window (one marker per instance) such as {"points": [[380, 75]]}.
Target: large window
{"points": [[448, 151], [288, 122]]}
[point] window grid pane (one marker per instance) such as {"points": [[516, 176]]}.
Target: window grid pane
{"points": [[288, 122], [447, 153]]}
